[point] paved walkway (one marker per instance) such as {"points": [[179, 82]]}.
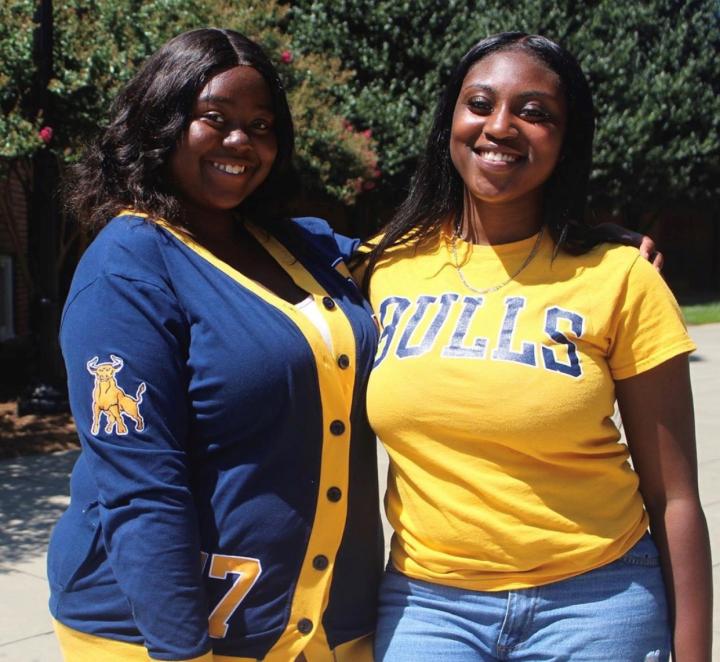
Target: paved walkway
{"points": [[33, 494]]}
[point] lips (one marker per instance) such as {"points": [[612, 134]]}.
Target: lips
{"points": [[494, 156], [229, 168], [497, 156]]}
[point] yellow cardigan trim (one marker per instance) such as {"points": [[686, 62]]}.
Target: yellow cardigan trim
{"points": [[336, 387], [81, 647]]}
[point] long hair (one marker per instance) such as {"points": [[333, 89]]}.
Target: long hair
{"points": [[125, 167], [436, 192]]}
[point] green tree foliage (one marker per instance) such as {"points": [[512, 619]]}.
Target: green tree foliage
{"points": [[399, 51], [18, 133], [99, 44], [652, 67]]}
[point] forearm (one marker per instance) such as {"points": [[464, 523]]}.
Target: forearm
{"points": [[681, 534], [657, 412], [154, 552]]}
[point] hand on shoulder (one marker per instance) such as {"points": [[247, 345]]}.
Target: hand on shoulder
{"points": [[617, 234]]}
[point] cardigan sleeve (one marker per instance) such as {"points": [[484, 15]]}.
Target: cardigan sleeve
{"points": [[124, 343]]}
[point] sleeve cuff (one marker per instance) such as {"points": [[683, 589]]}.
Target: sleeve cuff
{"points": [[682, 347]]}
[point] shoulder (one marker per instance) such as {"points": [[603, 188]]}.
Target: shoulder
{"points": [[312, 225], [608, 264], [128, 239], [614, 273], [123, 275], [130, 251], [129, 246], [625, 264], [408, 254], [607, 256]]}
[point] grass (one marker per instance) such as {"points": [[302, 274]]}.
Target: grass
{"points": [[702, 313]]}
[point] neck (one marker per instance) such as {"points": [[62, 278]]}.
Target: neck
{"points": [[500, 222], [211, 227]]}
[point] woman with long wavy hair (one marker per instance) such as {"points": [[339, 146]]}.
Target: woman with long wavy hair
{"points": [[217, 355]]}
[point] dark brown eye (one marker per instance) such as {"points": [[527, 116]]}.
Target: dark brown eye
{"points": [[262, 125], [480, 105], [535, 114], [213, 117]]}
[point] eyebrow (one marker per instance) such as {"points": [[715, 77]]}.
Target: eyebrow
{"points": [[525, 94], [215, 98]]}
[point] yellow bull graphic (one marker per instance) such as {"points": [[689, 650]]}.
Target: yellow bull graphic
{"points": [[111, 400]]}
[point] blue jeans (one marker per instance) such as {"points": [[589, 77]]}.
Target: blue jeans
{"points": [[617, 612]]}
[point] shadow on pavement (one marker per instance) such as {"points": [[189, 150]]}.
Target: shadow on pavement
{"points": [[33, 495]]}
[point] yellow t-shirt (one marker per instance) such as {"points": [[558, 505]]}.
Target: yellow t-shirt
{"points": [[495, 409]]}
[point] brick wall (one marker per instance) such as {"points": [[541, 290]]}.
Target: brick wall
{"points": [[690, 240], [14, 241]]}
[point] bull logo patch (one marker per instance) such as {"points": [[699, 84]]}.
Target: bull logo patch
{"points": [[111, 400]]}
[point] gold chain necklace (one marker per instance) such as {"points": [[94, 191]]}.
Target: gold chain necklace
{"points": [[494, 288]]}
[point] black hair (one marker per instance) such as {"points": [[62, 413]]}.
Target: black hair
{"points": [[125, 167], [436, 192]]}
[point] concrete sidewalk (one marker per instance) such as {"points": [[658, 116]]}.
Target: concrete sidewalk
{"points": [[33, 495]]}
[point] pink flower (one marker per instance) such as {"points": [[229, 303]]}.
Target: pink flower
{"points": [[286, 57], [376, 173], [46, 134], [368, 186], [367, 133]]}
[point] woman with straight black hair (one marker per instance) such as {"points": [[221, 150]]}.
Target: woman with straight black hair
{"points": [[437, 189], [509, 331], [217, 355]]}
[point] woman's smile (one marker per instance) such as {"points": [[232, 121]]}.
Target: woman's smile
{"points": [[508, 127], [230, 146], [497, 159], [229, 168]]}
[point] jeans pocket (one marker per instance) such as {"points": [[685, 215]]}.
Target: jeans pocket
{"points": [[643, 553]]}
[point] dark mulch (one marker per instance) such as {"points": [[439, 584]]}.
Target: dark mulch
{"points": [[34, 434]]}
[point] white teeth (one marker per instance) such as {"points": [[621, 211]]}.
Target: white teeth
{"points": [[498, 156], [231, 169]]}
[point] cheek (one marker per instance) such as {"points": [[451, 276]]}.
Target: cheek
{"points": [[182, 156], [555, 149], [461, 138], [465, 127], [196, 135], [268, 150], [551, 143], [458, 156], [544, 154], [195, 143]]}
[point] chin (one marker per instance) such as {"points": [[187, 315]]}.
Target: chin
{"points": [[487, 194]]}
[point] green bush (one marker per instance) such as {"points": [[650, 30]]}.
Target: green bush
{"points": [[99, 44], [652, 67]]}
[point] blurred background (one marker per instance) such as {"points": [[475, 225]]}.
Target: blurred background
{"points": [[363, 77]]}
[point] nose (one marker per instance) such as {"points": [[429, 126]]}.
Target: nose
{"points": [[499, 124], [236, 138]]}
